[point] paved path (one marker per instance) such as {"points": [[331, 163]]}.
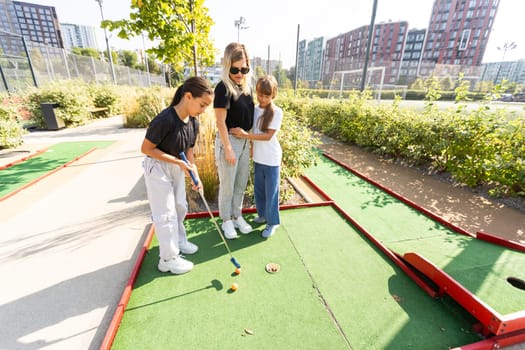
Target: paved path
{"points": [[68, 243]]}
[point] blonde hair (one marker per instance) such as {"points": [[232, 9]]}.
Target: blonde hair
{"points": [[235, 52], [266, 85]]}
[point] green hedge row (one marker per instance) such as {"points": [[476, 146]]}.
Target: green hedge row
{"points": [[19, 112], [387, 94], [477, 147]]}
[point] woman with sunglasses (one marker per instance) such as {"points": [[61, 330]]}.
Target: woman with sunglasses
{"points": [[234, 107]]}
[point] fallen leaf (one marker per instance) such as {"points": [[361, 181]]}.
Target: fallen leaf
{"points": [[248, 331]]}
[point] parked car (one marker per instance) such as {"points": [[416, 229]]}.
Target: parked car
{"points": [[505, 98], [519, 97]]}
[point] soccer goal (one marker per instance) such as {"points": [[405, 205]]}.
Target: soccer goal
{"points": [[351, 80]]}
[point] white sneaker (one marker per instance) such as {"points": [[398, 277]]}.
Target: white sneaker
{"points": [[177, 265], [242, 225], [187, 247], [229, 229]]}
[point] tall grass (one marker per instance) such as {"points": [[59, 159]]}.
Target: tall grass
{"points": [[205, 155]]}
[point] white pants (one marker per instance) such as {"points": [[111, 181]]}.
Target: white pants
{"points": [[165, 185]]}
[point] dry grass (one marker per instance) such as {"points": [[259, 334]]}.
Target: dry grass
{"points": [[205, 155]]}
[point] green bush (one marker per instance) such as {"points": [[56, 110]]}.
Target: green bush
{"points": [[105, 96], [73, 99], [479, 147], [11, 130]]}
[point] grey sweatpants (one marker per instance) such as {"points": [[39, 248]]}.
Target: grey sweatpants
{"points": [[165, 185], [232, 178]]}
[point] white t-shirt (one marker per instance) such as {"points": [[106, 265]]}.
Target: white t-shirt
{"points": [[267, 152]]}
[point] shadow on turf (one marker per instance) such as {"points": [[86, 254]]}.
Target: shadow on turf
{"points": [[214, 284], [202, 232]]}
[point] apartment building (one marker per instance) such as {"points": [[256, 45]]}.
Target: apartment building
{"points": [[39, 23], [455, 40], [75, 35], [10, 44], [512, 71], [457, 33], [36, 23], [346, 53], [412, 54]]}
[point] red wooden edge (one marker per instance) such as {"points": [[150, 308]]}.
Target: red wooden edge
{"points": [[121, 306], [390, 254], [489, 318], [204, 214], [496, 342], [36, 153], [10, 194], [401, 198], [487, 237]]}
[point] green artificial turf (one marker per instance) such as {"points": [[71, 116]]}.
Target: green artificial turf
{"points": [[22, 174], [479, 266], [334, 291]]}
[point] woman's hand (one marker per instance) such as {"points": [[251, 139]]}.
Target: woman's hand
{"points": [[239, 132], [229, 154]]}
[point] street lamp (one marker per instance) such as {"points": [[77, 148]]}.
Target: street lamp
{"points": [[107, 44], [506, 47], [239, 23]]}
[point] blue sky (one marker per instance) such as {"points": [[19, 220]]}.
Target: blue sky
{"points": [[273, 23]]}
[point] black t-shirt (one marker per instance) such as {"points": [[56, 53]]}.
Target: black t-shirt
{"points": [[239, 113], [170, 134]]}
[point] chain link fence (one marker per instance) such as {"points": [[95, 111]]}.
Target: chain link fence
{"points": [[36, 64]]}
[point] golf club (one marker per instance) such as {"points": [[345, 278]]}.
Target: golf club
{"points": [[201, 193]]}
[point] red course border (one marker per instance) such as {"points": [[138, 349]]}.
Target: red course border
{"points": [[10, 194]]}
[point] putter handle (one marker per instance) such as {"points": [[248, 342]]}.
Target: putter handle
{"points": [[183, 157]]}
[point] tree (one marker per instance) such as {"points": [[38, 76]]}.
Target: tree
{"points": [[281, 76], [182, 26], [128, 58]]}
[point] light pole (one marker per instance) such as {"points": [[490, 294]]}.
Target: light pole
{"points": [[239, 23], [110, 58], [506, 47]]}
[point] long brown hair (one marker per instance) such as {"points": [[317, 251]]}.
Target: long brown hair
{"points": [[266, 85]]}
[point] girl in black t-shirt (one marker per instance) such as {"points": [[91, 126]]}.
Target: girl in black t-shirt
{"points": [[234, 107], [172, 131]]}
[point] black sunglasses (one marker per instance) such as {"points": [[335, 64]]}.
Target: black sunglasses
{"points": [[243, 70]]}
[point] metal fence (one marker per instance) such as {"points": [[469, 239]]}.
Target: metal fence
{"points": [[47, 63]]}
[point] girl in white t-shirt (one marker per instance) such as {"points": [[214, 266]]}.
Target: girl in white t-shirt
{"points": [[267, 154]]}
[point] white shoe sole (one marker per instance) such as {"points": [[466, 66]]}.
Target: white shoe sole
{"points": [[175, 272]]}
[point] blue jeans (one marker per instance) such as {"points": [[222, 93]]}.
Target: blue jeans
{"points": [[266, 188]]}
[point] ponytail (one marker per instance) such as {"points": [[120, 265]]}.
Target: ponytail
{"points": [[178, 96]]}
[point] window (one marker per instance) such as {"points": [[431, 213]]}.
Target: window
{"points": [[463, 42]]}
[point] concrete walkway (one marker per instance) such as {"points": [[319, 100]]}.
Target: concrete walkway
{"points": [[69, 242]]}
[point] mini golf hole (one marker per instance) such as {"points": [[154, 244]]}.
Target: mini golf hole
{"points": [[516, 282], [272, 268]]}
